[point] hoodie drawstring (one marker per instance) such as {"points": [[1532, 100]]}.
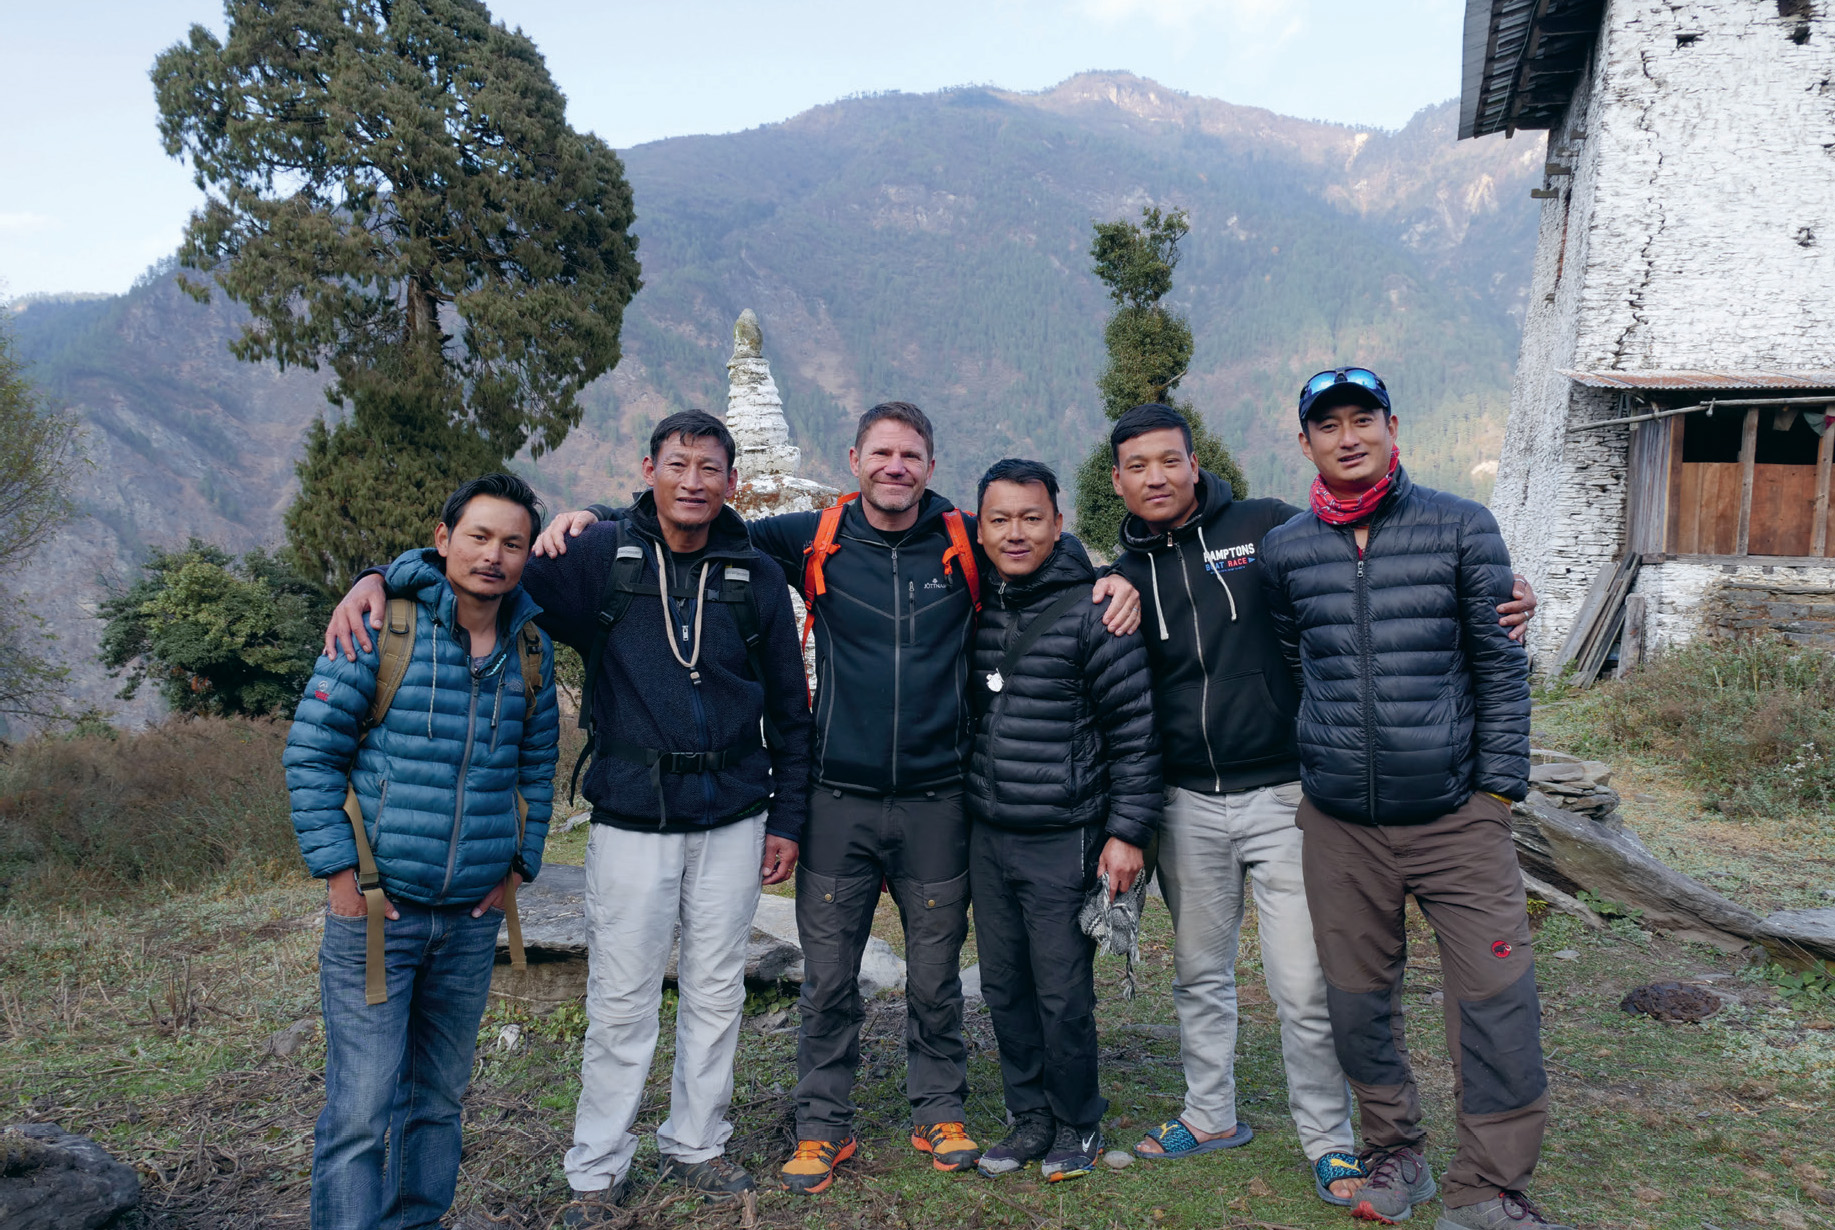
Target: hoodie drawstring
{"points": [[1218, 573], [1159, 608]]}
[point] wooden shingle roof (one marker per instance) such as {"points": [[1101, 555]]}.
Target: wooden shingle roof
{"points": [[1522, 60]]}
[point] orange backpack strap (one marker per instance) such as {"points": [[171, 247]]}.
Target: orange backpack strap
{"points": [[815, 555], [960, 548]]}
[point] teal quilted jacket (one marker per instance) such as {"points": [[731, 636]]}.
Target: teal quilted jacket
{"points": [[437, 778]]}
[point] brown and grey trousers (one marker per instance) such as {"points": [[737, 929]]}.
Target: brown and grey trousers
{"points": [[1461, 869]]}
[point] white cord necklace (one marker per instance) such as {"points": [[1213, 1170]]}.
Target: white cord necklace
{"points": [[700, 605]]}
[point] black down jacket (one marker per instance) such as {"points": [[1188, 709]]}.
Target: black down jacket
{"points": [[1069, 739], [1413, 696]]}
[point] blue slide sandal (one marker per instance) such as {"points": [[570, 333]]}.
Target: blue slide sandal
{"points": [[1178, 1141], [1333, 1167]]}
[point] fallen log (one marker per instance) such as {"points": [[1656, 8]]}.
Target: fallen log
{"points": [[1573, 854]]}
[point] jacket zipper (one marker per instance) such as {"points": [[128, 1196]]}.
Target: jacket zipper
{"points": [[1364, 673], [1204, 695], [458, 807], [898, 669], [706, 776], [911, 602]]}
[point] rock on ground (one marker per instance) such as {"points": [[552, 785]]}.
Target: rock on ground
{"points": [[1799, 938], [52, 1180], [1671, 1001]]}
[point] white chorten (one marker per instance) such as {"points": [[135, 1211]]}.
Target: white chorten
{"points": [[767, 461]]}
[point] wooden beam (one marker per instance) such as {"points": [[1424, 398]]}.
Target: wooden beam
{"points": [[1748, 455], [1631, 640], [1819, 533], [1672, 525]]}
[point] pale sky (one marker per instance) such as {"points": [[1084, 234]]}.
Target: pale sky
{"points": [[88, 198]]}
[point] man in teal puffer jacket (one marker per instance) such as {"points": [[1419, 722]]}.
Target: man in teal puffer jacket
{"points": [[437, 782]]}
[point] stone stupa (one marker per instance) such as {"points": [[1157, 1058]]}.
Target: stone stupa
{"points": [[767, 461]]}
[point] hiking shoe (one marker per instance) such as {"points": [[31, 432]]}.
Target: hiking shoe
{"points": [[947, 1143], [1073, 1154], [1399, 1180], [1504, 1211], [719, 1178], [812, 1167], [1029, 1141], [598, 1208]]}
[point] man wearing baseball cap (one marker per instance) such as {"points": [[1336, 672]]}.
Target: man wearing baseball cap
{"points": [[1413, 736]]}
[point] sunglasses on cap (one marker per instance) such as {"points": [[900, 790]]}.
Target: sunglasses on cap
{"points": [[1325, 381]]}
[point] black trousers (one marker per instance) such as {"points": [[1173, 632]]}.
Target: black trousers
{"points": [[851, 843], [1037, 966]]}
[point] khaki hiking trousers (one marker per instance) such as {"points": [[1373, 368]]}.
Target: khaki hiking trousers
{"points": [[1462, 871]]}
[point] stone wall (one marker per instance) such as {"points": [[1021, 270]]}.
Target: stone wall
{"points": [[1688, 597], [1665, 249]]}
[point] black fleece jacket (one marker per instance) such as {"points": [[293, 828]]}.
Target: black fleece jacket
{"points": [[1414, 696], [1222, 692], [1068, 741], [644, 697]]}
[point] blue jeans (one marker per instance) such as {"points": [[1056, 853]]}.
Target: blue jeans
{"points": [[386, 1150]]}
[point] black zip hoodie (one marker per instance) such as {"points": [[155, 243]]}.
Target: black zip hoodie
{"points": [[1222, 693]]}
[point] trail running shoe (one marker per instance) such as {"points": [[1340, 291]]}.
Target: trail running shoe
{"points": [[1029, 1141], [947, 1143], [1399, 1180], [1504, 1211], [1334, 1166], [812, 1168], [717, 1178], [1073, 1154]]}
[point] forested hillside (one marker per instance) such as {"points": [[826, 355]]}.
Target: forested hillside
{"points": [[926, 247]]}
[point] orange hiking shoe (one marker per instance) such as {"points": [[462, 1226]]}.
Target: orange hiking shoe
{"points": [[948, 1145], [812, 1168]]}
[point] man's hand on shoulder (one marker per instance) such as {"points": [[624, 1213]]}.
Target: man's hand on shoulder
{"points": [[552, 541], [1516, 614], [1124, 613], [347, 630]]}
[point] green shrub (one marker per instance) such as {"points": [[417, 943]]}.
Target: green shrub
{"points": [[170, 808], [1749, 721]]}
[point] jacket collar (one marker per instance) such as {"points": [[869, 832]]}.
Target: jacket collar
{"points": [[1214, 499], [1060, 570], [727, 538], [421, 574]]}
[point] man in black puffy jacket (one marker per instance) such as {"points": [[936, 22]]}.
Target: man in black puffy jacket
{"points": [[1064, 787], [1413, 737]]}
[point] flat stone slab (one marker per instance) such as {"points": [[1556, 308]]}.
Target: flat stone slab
{"points": [[1799, 937], [554, 934], [51, 1179]]}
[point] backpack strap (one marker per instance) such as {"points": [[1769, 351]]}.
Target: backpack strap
{"points": [[961, 548], [815, 556], [620, 587], [529, 649], [396, 650], [519, 959], [736, 589]]}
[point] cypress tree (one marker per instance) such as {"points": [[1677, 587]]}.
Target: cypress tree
{"points": [[1150, 348]]}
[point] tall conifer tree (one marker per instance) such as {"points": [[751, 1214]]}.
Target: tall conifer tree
{"points": [[393, 190], [1149, 350]]}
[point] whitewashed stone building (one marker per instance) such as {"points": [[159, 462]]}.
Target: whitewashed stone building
{"points": [[1670, 410]]}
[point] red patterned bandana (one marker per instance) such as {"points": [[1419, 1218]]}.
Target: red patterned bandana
{"points": [[1334, 511]]}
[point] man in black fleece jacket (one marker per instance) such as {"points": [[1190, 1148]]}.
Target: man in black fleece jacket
{"points": [[691, 807], [1064, 787], [1225, 702], [1414, 739]]}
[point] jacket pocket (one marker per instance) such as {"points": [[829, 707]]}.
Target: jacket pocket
{"points": [[1245, 721]]}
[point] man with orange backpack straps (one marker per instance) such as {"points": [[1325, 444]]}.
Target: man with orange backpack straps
{"points": [[892, 587]]}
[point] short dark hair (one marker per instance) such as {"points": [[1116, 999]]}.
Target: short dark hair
{"points": [[1143, 419], [898, 412], [1019, 470], [504, 487], [694, 425]]}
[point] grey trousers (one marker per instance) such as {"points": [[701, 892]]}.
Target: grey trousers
{"points": [[918, 844], [1209, 845]]}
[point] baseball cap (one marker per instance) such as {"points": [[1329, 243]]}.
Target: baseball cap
{"points": [[1345, 384]]}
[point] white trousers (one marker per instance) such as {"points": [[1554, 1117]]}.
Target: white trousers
{"points": [[1209, 843], [638, 886]]}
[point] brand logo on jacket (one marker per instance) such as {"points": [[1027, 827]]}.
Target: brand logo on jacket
{"points": [[936, 583], [1229, 559]]}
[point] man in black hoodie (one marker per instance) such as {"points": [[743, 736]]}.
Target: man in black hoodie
{"points": [[1064, 787], [1225, 702]]}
